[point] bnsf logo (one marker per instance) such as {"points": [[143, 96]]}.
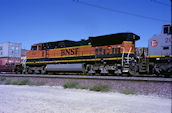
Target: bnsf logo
{"points": [[69, 51], [154, 43]]}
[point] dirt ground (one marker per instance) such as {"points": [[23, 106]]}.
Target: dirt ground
{"points": [[53, 99]]}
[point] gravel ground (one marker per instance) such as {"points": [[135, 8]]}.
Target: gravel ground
{"points": [[46, 99], [141, 85]]}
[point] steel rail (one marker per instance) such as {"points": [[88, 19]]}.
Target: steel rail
{"points": [[148, 79]]}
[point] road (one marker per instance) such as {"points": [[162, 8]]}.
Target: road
{"points": [[55, 99]]}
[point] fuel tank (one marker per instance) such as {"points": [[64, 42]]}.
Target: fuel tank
{"points": [[64, 67]]}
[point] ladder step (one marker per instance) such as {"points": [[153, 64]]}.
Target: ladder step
{"points": [[142, 71]]}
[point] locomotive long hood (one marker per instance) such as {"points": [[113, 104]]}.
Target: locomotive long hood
{"points": [[113, 39]]}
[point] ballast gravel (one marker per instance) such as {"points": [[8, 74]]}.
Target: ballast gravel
{"points": [[53, 99]]}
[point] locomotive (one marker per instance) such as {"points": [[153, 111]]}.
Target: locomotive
{"points": [[101, 54], [107, 54], [159, 59]]}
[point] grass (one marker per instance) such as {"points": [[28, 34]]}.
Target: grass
{"points": [[83, 87], [22, 82], [129, 91], [7, 82], [71, 84], [2, 78], [17, 82], [37, 83], [100, 87], [76, 85]]}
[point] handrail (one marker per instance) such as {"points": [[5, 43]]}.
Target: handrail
{"points": [[129, 54], [123, 55]]}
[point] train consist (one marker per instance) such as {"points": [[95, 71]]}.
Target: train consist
{"points": [[107, 54]]}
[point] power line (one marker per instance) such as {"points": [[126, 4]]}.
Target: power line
{"points": [[119, 11], [162, 3]]}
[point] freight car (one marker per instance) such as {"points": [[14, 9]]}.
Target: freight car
{"points": [[102, 54], [10, 53], [8, 64]]}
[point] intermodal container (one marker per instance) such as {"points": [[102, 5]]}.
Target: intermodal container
{"points": [[10, 49]]}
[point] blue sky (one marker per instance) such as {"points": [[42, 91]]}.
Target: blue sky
{"points": [[35, 21]]}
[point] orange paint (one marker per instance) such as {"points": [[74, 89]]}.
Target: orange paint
{"points": [[85, 50]]}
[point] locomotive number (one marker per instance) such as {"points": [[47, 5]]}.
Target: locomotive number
{"points": [[73, 51]]}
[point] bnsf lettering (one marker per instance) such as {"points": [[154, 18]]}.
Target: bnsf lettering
{"points": [[69, 51]]}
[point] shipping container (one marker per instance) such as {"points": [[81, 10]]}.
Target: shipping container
{"points": [[10, 49]]}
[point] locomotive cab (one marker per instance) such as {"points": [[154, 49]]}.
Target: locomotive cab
{"points": [[160, 52], [167, 29], [160, 44], [36, 47]]}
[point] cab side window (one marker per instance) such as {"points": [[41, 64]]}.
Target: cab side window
{"points": [[170, 29], [34, 48], [165, 30]]}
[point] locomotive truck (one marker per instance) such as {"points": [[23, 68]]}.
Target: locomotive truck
{"points": [[107, 54]]}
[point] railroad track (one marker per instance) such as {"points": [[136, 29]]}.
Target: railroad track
{"points": [[151, 79], [142, 85]]}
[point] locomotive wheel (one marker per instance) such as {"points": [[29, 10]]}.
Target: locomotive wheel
{"points": [[111, 72], [43, 71], [97, 72], [165, 74]]}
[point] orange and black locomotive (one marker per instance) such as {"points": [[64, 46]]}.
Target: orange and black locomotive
{"points": [[102, 54]]}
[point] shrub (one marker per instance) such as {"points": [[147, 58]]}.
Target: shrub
{"points": [[82, 87], [18, 82], [99, 87], [7, 82], [37, 84], [23, 82], [2, 78], [15, 82], [71, 85], [128, 91]]}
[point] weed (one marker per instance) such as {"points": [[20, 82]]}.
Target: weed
{"points": [[71, 85], [22, 82], [128, 91], [99, 87], [83, 87], [7, 82], [37, 83], [18, 82], [2, 78]]}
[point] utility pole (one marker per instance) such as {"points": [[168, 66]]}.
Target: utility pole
{"points": [[171, 51], [171, 12], [170, 27]]}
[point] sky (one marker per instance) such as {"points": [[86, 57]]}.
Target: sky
{"points": [[35, 21]]}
